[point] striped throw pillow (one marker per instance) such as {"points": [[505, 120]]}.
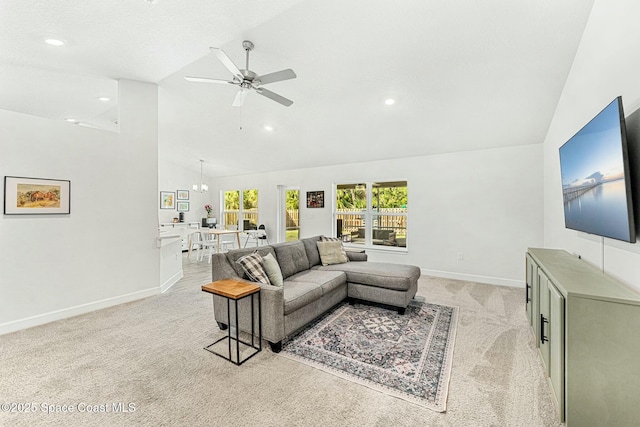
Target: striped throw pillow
{"points": [[252, 265]]}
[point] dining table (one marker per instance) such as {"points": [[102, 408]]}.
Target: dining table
{"points": [[218, 232]]}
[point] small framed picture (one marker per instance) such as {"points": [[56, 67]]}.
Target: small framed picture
{"points": [[183, 195], [315, 199], [36, 196], [183, 206], [167, 200], [346, 238]]}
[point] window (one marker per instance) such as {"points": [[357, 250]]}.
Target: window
{"points": [[351, 203], [372, 213], [241, 204]]}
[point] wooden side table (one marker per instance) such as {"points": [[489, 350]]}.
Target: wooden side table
{"points": [[236, 290]]}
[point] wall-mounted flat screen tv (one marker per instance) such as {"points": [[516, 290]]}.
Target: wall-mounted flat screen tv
{"points": [[596, 185]]}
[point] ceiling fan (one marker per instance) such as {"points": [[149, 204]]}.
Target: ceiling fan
{"points": [[246, 79]]}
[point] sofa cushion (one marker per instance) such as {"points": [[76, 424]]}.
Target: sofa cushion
{"points": [[332, 252], [328, 280], [236, 254], [291, 257], [252, 266], [299, 294], [312, 250], [380, 274], [272, 268]]}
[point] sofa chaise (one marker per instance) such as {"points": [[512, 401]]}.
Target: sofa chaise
{"points": [[310, 288]]}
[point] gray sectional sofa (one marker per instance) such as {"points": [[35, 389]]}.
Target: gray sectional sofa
{"points": [[310, 288]]}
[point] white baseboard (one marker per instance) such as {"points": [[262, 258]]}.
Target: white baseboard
{"points": [[41, 319], [171, 281], [474, 278]]}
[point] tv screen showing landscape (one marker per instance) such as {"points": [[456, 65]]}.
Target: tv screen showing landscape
{"points": [[595, 177]]}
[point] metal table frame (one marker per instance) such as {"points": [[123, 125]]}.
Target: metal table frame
{"points": [[237, 339]]}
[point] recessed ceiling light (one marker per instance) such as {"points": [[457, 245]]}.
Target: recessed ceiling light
{"points": [[104, 98], [71, 120], [54, 42], [390, 101], [269, 128]]}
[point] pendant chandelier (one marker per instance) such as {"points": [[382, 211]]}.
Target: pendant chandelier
{"points": [[202, 187]]}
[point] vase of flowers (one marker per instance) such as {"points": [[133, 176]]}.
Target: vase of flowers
{"points": [[209, 209]]}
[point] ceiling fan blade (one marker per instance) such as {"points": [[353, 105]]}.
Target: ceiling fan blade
{"points": [[240, 97], [227, 62], [207, 80], [278, 76], [274, 96]]}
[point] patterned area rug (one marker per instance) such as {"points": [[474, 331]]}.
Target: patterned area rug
{"points": [[408, 356]]}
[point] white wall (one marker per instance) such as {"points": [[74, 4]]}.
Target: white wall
{"points": [[103, 253], [486, 204], [172, 177], [606, 65]]}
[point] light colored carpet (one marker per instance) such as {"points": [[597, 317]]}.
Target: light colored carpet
{"points": [[150, 353]]}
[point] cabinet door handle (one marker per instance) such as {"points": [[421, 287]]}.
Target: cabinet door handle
{"points": [[543, 337], [527, 296]]}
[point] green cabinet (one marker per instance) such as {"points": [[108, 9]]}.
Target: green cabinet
{"points": [[544, 336], [551, 336], [532, 295], [555, 330], [587, 328]]}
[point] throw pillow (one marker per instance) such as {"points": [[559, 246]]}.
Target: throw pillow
{"points": [[252, 265], [271, 266], [335, 239], [331, 252]]}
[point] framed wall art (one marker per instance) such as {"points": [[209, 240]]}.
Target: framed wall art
{"points": [[315, 199], [183, 195], [36, 196], [167, 200], [183, 206]]}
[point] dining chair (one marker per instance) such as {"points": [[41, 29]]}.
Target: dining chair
{"points": [[256, 236], [227, 242], [262, 237], [208, 244], [195, 239]]}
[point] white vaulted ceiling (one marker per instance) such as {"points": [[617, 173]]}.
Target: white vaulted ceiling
{"points": [[465, 74]]}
